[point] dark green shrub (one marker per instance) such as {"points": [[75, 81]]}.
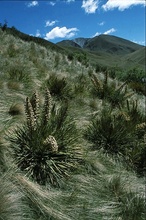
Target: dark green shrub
{"points": [[115, 95], [70, 56], [45, 146], [110, 132], [138, 87], [59, 87]]}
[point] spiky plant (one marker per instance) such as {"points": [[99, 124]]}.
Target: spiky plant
{"points": [[44, 146], [110, 131], [59, 87], [132, 109], [116, 95]]}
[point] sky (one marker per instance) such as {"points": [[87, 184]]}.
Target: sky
{"points": [[57, 20]]}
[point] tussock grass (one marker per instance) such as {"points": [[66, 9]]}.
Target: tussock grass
{"points": [[11, 201]]}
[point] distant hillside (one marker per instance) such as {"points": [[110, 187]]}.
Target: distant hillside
{"points": [[104, 49], [69, 43], [138, 56], [104, 43], [111, 44]]}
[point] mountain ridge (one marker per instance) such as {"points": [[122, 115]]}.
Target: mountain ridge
{"points": [[107, 43]]}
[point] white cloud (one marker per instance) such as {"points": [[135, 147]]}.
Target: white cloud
{"points": [[97, 34], [38, 33], [50, 23], [51, 3], [101, 23], [69, 1], [33, 4], [90, 6], [139, 42], [112, 30], [122, 4], [61, 32]]}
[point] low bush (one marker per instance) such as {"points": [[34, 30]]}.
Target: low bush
{"points": [[45, 147]]}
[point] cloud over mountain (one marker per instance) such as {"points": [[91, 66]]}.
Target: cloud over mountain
{"points": [[61, 32], [112, 30]]}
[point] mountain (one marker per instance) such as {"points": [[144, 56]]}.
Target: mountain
{"points": [[81, 41], [69, 43], [108, 50], [104, 43]]}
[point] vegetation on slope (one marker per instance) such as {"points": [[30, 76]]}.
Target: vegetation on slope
{"points": [[72, 138]]}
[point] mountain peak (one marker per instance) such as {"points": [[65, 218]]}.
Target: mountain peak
{"points": [[81, 41]]}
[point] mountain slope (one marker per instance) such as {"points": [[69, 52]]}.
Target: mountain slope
{"points": [[109, 50], [111, 44], [104, 43], [138, 56]]}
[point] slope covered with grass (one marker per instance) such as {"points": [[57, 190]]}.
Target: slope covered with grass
{"points": [[72, 139]]}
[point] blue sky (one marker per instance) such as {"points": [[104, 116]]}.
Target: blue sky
{"points": [[57, 20]]}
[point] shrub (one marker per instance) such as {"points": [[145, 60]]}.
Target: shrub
{"points": [[110, 131], [59, 87], [45, 146], [70, 56], [116, 95]]}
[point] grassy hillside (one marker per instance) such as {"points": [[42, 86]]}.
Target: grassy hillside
{"points": [[72, 138]]}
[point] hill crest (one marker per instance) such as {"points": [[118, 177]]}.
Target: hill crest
{"points": [[104, 43]]}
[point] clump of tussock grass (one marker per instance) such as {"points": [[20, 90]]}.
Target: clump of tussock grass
{"points": [[16, 109], [11, 201], [42, 203], [13, 85], [103, 193]]}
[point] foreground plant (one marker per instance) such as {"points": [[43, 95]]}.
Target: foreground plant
{"points": [[44, 147], [11, 201]]}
